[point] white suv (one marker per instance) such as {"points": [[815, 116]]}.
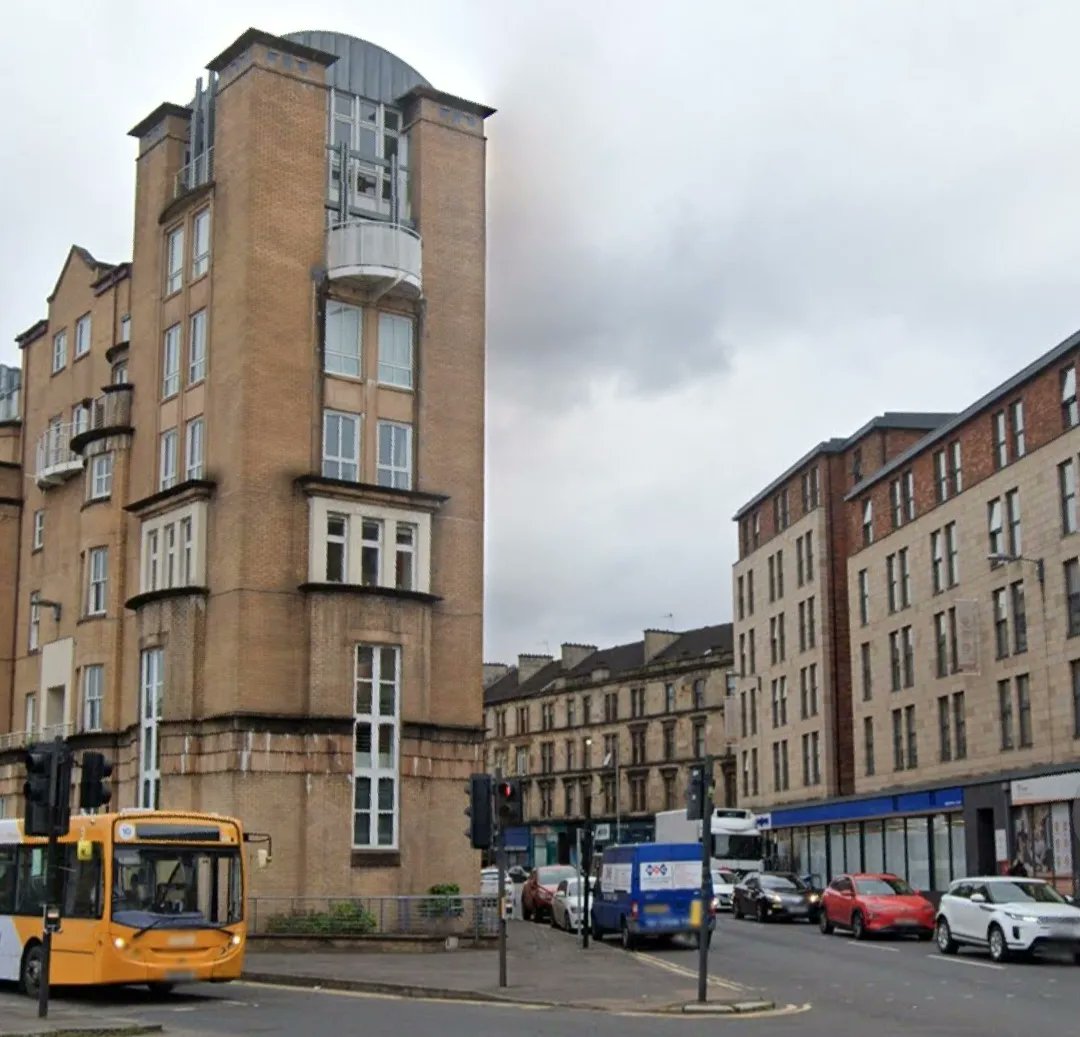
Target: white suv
{"points": [[1008, 915]]}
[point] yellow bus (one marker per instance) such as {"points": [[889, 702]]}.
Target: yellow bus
{"points": [[148, 896]]}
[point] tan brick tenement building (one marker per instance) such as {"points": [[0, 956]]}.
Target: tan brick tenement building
{"points": [[651, 708], [960, 635], [241, 521]]}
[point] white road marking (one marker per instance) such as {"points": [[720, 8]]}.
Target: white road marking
{"points": [[682, 970], [967, 961], [873, 946]]}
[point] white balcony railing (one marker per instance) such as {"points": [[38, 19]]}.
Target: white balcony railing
{"points": [[199, 171], [56, 462], [381, 257], [46, 733]]}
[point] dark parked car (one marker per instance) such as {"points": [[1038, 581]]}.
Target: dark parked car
{"points": [[765, 895], [539, 890]]}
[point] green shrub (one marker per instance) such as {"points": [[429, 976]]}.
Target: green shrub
{"points": [[443, 901], [345, 918]]}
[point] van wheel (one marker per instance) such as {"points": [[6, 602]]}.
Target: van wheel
{"points": [[32, 969], [626, 936], [736, 908]]}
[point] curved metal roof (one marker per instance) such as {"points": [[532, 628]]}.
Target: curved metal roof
{"points": [[362, 68]]}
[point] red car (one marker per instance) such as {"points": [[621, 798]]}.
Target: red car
{"points": [[868, 904], [539, 890]]}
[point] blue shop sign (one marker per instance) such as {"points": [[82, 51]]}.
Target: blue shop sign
{"points": [[879, 806]]}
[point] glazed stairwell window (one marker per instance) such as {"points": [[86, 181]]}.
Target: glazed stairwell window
{"points": [[341, 446], [174, 261], [170, 363], [395, 350], [97, 576], [395, 455], [197, 348], [376, 742], [151, 693], [343, 339], [200, 245]]}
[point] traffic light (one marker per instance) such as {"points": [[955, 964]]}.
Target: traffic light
{"points": [[38, 760], [508, 802], [47, 789], [695, 797], [481, 828], [94, 788]]}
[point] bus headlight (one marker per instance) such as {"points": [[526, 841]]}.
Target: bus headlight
{"points": [[236, 939], [119, 943]]}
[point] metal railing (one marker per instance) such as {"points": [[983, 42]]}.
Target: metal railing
{"points": [[55, 458], [46, 733], [431, 915], [370, 248], [109, 410], [197, 172]]}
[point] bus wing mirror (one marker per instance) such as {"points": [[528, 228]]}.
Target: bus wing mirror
{"points": [[262, 857]]}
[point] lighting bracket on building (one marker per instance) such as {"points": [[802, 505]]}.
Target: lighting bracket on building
{"points": [[54, 605], [1040, 567]]}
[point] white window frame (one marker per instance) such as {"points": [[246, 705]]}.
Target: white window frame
{"points": [[59, 354], [368, 544], [152, 555], [170, 362], [97, 581], [200, 243], [30, 713], [119, 373], [338, 466], [39, 529], [83, 329], [34, 639], [187, 550], [93, 696], [170, 557], [197, 347], [341, 539], [151, 693], [193, 449], [405, 550], [397, 476], [101, 475], [376, 772], [80, 418], [125, 328], [396, 332], [174, 260], [1067, 491], [343, 355], [167, 452]]}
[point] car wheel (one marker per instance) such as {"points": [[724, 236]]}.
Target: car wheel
{"points": [[762, 911], [824, 924], [626, 936], [30, 972], [1076, 958], [858, 926], [736, 908], [945, 943], [999, 949], [526, 914]]}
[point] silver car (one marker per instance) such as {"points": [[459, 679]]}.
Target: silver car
{"points": [[568, 905]]}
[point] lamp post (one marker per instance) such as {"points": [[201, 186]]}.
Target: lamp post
{"points": [[608, 760]]}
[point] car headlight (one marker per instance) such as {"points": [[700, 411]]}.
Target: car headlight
{"points": [[774, 898], [1021, 918], [814, 898]]}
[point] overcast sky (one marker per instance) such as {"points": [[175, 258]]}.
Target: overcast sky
{"points": [[719, 233]]}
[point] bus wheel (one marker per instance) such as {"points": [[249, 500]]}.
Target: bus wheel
{"points": [[164, 989], [33, 963]]}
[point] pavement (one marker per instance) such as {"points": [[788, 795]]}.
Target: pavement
{"points": [[544, 967], [19, 1015]]}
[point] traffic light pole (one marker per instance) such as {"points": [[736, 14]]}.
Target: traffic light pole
{"points": [[500, 861], [586, 852], [706, 877], [52, 900]]}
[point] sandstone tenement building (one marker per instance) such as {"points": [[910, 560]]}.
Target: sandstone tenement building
{"points": [[241, 495]]}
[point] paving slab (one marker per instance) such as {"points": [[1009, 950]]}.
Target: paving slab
{"points": [[544, 967], [18, 1016]]}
